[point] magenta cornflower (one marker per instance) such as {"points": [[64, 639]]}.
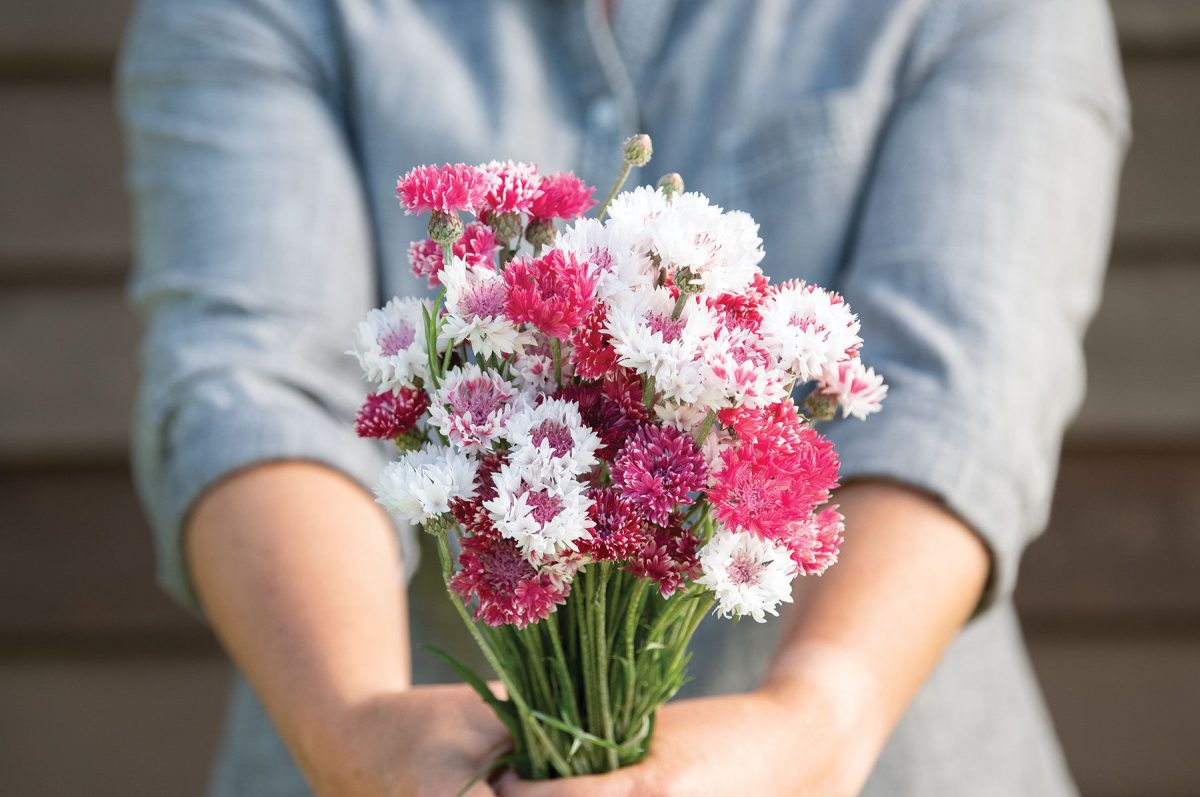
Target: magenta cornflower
{"points": [[554, 292], [509, 588], [658, 469], [668, 558], [619, 533], [562, 196], [613, 419], [444, 189], [387, 415]]}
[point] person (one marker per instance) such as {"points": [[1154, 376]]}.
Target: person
{"points": [[949, 166]]}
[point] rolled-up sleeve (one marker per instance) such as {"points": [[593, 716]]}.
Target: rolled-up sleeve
{"points": [[978, 259], [254, 255]]}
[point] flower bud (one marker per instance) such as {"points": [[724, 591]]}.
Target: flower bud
{"points": [[445, 228], [670, 184], [638, 150], [506, 226], [541, 233], [439, 524], [821, 406], [687, 282], [411, 440]]}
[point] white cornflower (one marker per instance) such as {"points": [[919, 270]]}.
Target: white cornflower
{"points": [[551, 439], [422, 484], [740, 372], [718, 251], [390, 344], [612, 257], [545, 517], [648, 340], [475, 311], [808, 329], [747, 574]]}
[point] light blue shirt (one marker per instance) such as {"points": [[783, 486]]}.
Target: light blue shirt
{"points": [[949, 166]]}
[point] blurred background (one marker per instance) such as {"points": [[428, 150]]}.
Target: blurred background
{"points": [[107, 689]]}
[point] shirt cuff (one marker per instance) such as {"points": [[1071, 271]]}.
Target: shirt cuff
{"points": [[228, 423]]}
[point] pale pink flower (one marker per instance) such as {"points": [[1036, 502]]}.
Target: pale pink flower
{"points": [[859, 390], [477, 247], [814, 543], [808, 329], [471, 406], [515, 189]]}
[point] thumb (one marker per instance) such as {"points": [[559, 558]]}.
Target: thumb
{"points": [[621, 783]]}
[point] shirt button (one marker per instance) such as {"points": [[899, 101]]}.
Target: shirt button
{"points": [[602, 114]]}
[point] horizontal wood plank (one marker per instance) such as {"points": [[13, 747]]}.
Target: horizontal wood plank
{"points": [[67, 373], [63, 207], [116, 728], [66, 213], [1127, 711], [1160, 190]]}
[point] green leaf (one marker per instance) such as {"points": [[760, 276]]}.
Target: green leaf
{"points": [[580, 733], [504, 709], [512, 759]]}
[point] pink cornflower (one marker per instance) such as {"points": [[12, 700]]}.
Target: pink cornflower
{"points": [[563, 196], [477, 247], [516, 187], [669, 558], [387, 415], [779, 470], [554, 292], [658, 469], [618, 533], [595, 358], [509, 589], [445, 189], [814, 543]]}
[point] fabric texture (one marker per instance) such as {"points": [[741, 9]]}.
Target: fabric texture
{"points": [[949, 165]]}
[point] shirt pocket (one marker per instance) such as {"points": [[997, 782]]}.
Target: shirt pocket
{"points": [[799, 167]]}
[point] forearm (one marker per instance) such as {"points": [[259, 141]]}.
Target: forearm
{"points": [[300, 575], [868, 633]]}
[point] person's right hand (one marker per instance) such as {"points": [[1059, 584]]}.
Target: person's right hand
{"points": [[425, 741]]}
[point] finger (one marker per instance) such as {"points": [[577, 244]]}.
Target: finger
{"points": [[621, 783]]}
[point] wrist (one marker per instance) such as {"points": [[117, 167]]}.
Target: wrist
{"points": [[830, 693]]}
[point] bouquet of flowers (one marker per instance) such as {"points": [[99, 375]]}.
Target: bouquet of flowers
{"points": [[600, 432]]}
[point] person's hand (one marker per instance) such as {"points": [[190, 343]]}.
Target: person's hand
{"points": [[427, 740], [771, 741]]}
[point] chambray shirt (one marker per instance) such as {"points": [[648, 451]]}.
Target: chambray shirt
{"points": [[948, 165]]}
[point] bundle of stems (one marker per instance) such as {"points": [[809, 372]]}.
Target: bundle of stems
{"points": [[584, 684]]}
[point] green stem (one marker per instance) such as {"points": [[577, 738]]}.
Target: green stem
{"points": [[631, 623], [566, 685], [532, 727], [706, 427], [625, 166], [600, 609], [680, 303], [556, 351], [648, 392]]}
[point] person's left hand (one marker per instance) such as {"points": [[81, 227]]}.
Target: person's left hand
{"points": [[769, 741]]}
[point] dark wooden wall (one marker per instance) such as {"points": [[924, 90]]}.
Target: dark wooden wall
{"points": [[107, 689]]}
